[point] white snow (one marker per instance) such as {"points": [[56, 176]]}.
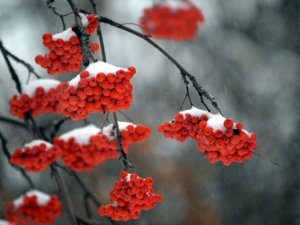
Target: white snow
{"points": [[47, 84], [4, 222], [128, 177], [94, 69], [84, 19], [215, 121], [176, 5], [65, 35], [42, 198], [81, 135], [37, 142], [122, 126], [115, 204]]}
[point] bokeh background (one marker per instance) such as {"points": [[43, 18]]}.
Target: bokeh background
{"points": [[246, 55]]}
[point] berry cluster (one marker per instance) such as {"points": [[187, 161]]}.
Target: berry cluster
{"points": [[90, 22], [175, 20], [36, 156], [33, 208], [130, 195], [218, 138], [130, 133], [86, 147], [100, 87], [38, 97], [64, 48]]}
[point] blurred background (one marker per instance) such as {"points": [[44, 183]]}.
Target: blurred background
{"points": [[246, 55]]}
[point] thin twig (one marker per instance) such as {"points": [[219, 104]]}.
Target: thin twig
{"points": [[21, 170], [60, 15], [13, 122], [99, 32]]}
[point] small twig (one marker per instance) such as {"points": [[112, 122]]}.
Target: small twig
{"points": [[60, 15], [99, 32], [126, 116], [87, 221], [57, 126], [21, 170], [13, 122], [105, 121]]}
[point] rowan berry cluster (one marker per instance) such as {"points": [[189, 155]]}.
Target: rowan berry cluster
{"points": [[33, 208], [130, 195], [86, 147], [100, 87], [220, 139], [174, 20], [38, 97], [36, 156], [64, 48]]}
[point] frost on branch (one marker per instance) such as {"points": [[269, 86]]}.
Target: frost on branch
{"points": [[36, 156], [64, 48], [220, 139], [89, 146], [33, 208], [130, 195], [100, 87], [38, 97], [174, 20]]}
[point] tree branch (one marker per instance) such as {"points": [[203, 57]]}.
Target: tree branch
{"points": [[21, 170], [184, 73]]}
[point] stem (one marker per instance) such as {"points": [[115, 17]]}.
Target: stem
{"points": [[21, 170], [184, 73], [82, 36], [122, 155]]}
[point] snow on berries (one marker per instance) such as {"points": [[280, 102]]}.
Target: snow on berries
{"points": [[64, 48], [88, 146], [38, 97], [219, 138], [36, 156], [173, 20], [100, 87], [4, 222], [130, 195], [33, 208]]}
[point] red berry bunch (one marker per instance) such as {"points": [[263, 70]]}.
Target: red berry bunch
{"points": [[64, 51], [220, 139], [38, 97], [33, 208], [130, 133], [90, 22], [174, 20], [36, 156], [130, 195], [86, 147], [100, 87]]}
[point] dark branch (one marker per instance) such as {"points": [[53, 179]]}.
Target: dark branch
{"points": [[7, 155], [60, 15], [12, 71], [13, 122], [200, 90], [122, 155]]}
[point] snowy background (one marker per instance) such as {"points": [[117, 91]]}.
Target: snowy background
{"points": [[246, 55]]}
